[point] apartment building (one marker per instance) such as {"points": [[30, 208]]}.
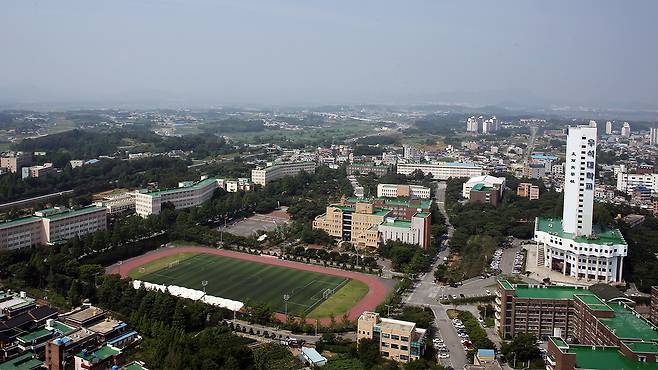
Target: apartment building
{"points": [[51, 226], [497, 183], [398, 340], [263, 176], [484, 194], [627, 182], [365, 223], [365, 168], [441, 170], [527, 190], [38, 171], [15, 162], [401, 191]]}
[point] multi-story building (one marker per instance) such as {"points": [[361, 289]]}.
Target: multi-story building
{"points": [[118, 203], [410, 152], [497, 183], [572, 245], [187, 194], [472, 124], [51, 225], [654, 305], [653, 136], [38, 171], [527, 190], [481, 193], [626, 130], [398, 340], [401, 191], [235, 185], [365, 168], [60, 224], [263, 176], [365, 223], [535, 170], [15, 162], [403, 208], [442, 170], [608, 128], [626, 182]]}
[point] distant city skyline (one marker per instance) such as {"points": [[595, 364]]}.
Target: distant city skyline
{"points": [[210, 53]]}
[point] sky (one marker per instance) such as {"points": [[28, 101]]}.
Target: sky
{"points": [[217, 52]]}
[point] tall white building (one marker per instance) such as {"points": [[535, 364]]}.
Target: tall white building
{"points": [[579, 180], [472, 124], [653, 136], [592, 123], [411, 152], [402, 191], [571, 245], [627, 182], [608, 128], [626, 130]]}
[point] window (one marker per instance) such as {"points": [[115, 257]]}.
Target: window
{"points": [[384, 344], [386, 335], [404, 339], [404, 348], [395, 337], [404, 357], [394, 346]]}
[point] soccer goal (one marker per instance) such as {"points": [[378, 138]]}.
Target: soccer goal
{"points": [[327, 293], [173, 263]]}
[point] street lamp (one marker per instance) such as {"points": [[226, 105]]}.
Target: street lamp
{"points": [[204, 283], [286, 297]]}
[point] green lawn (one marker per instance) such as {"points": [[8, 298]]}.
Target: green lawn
{"points": [[342, 300], [255, 282], [158, 264]]}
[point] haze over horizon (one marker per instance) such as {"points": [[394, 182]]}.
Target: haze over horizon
{"points": [[599, 53]]}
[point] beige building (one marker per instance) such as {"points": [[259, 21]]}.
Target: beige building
{"points": [[118, 203], [527, 190], [50, 226], [14, 163], [356, 224], [402, 191], [263, 176], [398, 340], [61, 224], [38, 171]]}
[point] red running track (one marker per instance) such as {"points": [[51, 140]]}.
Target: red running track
{"points": [[377, 290]]}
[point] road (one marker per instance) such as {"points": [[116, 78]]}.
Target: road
{"points": [[426, 292]]}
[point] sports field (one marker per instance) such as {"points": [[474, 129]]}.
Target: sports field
{"points": [[255, 282]]}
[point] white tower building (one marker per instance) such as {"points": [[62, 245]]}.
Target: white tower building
{"points": [[626, 130], [472, 124], [579, 181], [608, 128], [653, 135]]}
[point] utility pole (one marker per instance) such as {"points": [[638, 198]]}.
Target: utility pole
{"points": [[204, 283], [388, 310]]}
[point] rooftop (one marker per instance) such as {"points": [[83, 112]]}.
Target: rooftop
{"points": [[26, 361], [546, 292], [85, 314], [195, 185], [593, 302], [100, 354], [627, 325], [606, 358], [398, 223], [603, 236], [35, 335], [393, 324], [19, 221], [72, 212], [400, 201], [61, 327], [642, 347]]}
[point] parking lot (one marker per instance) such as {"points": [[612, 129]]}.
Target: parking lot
{"points": [[258, 222]]}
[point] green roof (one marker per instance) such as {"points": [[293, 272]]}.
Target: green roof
{"points": [[559, 342], [546, 292], [26, 361], [62, 328], [398, 223], [196, 185], [506, 284], [642, 347], [422, 214], [35, 335], [381, 211], [74, 212], [603, 236], [101, 354], [19, 221], [626, 325], [481, 187], [593, 302], [606, 358], [378, 211], [134, 366]]}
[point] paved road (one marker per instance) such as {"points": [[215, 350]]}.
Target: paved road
{"points": [[507, 261]]}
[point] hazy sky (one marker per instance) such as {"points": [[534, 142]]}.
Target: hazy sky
{"points": [[279, 52]]}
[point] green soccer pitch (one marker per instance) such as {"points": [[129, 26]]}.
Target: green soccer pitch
{"points": [[255, 282]]}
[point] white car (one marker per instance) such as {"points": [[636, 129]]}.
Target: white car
{"points": [[443, 355]]}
